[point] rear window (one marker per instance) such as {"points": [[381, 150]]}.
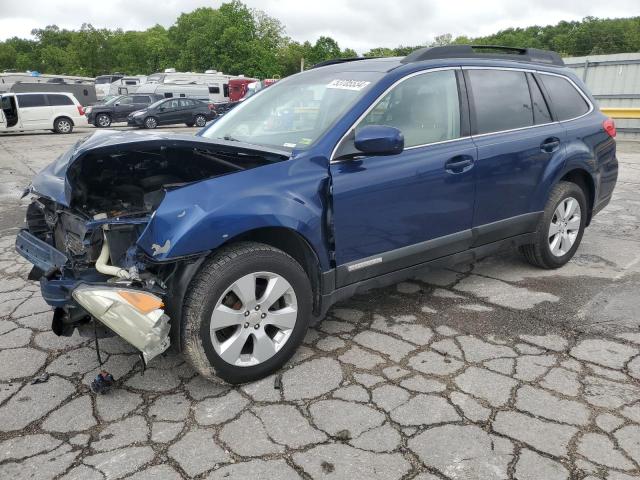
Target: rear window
{"points": [[501, 99], [59, 100], [214, 89], [566, 100], [28, 101]]}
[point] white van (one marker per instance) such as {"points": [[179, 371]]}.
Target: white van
{"points": [[56, 111]]}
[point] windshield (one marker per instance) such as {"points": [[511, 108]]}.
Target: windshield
{"points": [[294, 112]]}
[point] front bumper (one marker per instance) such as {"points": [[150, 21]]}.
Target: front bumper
{"points": [[114, 304], [135, 121]]}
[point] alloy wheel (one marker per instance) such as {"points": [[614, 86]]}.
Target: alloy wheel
{"points": [[565, 226], [103, 121], [64, 126], [201, 121], [253, 319]]}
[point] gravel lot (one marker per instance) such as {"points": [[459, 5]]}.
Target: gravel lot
{"points": [[493, 370]]}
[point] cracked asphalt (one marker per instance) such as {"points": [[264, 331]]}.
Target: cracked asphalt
{"points": [[486, 371]]}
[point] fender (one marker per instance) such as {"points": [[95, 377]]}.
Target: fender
{"points": [[573, 156], [200, 217]]}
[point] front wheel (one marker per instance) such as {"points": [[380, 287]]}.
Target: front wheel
{"points": [[245, 313], [560, 229], [150, 122]]}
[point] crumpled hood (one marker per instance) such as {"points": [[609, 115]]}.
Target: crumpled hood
{"points": [[52, 181]]}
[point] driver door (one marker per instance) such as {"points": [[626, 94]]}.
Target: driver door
{"points": [[392, 212]]}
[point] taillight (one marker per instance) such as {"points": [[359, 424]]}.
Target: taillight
{"points": [[610, 127], [80, 109]]}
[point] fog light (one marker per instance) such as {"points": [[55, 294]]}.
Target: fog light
{"points": [[134, 315]]}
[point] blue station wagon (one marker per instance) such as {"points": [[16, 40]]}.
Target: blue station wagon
{"points": [[349, 176]]}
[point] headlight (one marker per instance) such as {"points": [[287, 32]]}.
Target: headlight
{"points": [[134, 315], [138, 114]]}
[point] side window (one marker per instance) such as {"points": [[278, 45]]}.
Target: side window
{"points": [[566, 101], [29, 101], [172, 104], [225, 89], [501, 99], [425, 108], [215, 89], [141, 99], [125, 101], [186, 103], [168, 95], [540, 109], [56, 100]]}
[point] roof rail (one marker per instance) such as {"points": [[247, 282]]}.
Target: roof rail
{"points": [[485, 51], [334, 61]]}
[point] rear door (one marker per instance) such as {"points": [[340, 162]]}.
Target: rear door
{"points": [[516, 139], [35, 111], [122, 108], [187, 109]]}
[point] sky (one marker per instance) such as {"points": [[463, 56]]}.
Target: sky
{"points": [[358, 24]]}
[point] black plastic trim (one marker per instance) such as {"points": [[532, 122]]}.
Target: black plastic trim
{"points": [[470, 255], [418, 253]]}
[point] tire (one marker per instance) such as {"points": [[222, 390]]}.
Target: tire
{"points": [[62, 125], [150, 122], [553, 250], [103, 120], [200, 120], [212, 291]]}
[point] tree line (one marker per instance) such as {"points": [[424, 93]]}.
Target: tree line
{"points": [[238, 40]]}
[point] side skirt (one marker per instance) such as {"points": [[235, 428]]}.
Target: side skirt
{"points": [[470, 255]]}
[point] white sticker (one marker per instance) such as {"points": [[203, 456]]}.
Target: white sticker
{"points": [[289, 145], [348, 84]]}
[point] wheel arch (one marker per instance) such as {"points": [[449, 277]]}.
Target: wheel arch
{"points": [[585, 181], [292, 243], [58, 117]]}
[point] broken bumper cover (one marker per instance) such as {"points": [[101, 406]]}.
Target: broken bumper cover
{"points": [[39, 253], [134, 315]]}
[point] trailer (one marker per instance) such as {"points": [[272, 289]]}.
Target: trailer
{"points": [[85, 93]]}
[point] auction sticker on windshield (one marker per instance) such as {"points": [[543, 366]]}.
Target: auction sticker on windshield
{"points": [[348, 84]]}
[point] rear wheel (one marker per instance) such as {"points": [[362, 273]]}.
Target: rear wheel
{"points": [[150, 122], [103, 120], [62, 125], [246, 312], [560, 229], [200, 120]]}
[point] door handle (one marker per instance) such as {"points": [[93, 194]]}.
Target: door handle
{"points": [[459, 164], [550, 145]]}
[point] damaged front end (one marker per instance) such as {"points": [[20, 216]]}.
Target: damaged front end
{"points": [[88, 212]]}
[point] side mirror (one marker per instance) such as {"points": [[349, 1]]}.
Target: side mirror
{"points": [[161, 109], [379, 140], [117, 104]]}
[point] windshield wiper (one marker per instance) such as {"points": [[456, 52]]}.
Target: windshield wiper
{"points": [[230, 138]]}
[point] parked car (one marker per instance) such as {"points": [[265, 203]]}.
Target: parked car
{"points": [[171, 111], [55, 111], [346, 177], [118, 108]]}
